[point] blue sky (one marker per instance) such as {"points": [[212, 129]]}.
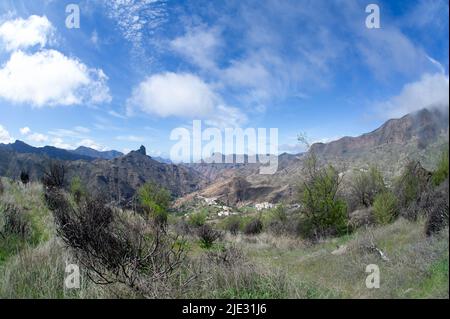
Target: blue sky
{"points": [[135, 70]]}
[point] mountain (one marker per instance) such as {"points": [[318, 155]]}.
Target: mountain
{"points": [[86, 151], [118, 178], [50, 151], [422, 127], [162, 160], [419, 136]]}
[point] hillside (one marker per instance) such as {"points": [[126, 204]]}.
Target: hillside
{"points": [[418, 136]]}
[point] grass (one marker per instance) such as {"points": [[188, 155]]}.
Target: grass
{"points": [[271, 266]]}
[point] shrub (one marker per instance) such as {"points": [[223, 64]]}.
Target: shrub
{"points": [[77, 189], [441, 173], [233, 224], [116, 249], [366, 185], [154, 201], [207, 236], [198, 219], [413, 181], [54, 175], [323, 213], [385, 207], [2, 188], [254, 227], [15, 223], [24, 177]]}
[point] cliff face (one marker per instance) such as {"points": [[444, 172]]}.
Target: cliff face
{"points": [[423, 127]]}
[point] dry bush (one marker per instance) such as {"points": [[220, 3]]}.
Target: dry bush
{"points": [[436, 206], [116, 249], [54, 175], [365, 186], [208, 235], [14, 223], [254, 227], [24, 177]]}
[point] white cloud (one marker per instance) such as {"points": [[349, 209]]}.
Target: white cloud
{"points": [[59, 143], [25, 130], [430, 90], [172, 94], [183, 95], [37, 137], [199, 46], [5, 137], [81, 129], [22, 33], [130, 138], [91, 144], [50, 78]]}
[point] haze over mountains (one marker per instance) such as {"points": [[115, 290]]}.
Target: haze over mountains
{"points": [[419, 136]]}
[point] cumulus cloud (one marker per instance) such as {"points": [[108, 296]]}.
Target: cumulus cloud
{"points": [[50, 78], [25, 130], [91, 144], [37, 137], [59, 143], [5, 137], [182, 95], [172, 94], [23, 33], [432, 90]]}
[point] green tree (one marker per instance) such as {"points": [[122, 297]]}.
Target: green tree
{"points": [[366, 185], [385, 207], [155, 201], [441, 173], [77, 189], [324, 213]]}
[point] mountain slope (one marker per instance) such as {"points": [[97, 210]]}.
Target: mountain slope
{"points": [[86, 151], [418, 136], [50, 151]]}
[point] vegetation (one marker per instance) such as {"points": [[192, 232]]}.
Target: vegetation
{"points": [[207, 236], [324, 213], [24, 177], [366, 185], [123, 254], [385, 207], [198, 219], [77, 189], [441, 173], [255, 226], [154, 201]]}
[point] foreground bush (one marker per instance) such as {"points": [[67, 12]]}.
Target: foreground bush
{"points": [[115, 248], [385, 208], [366, 185], [441, 173], [77, 189], [254, 227], [323, 213], [154, 201], [198, 219], [207, 236]]}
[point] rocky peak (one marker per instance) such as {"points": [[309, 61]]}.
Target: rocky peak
{"points": [[142, 150]]}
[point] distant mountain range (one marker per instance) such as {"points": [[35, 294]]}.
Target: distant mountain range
{"points": [[419, 136], [89, 152]]}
